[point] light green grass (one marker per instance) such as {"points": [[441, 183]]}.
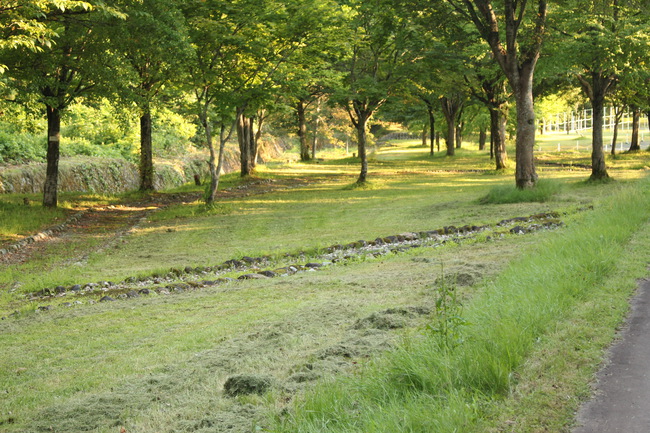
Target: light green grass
{"points": [[456, 387]]}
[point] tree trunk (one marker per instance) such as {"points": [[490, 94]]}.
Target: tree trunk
{"points": [[146, 151], [618, 115], [450, 108], [302, 130], [491, 144], [214, 174], [432, 127], [50, 189], [525, 174], [482, 138], [598, 166], [362, 139], [314, 143], [244, 138], [460, 126], [424, 136], [636, 117], [257, 135], [498, 136], [438, 141]]}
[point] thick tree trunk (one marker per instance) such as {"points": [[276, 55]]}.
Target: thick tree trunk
{"points": [[636, 118], [482, 138], [362, 139], [598, 166], [302, 130], [50, 189], [244, 138], [525, 174], [146, 152], [498, 137], [450, 109]]}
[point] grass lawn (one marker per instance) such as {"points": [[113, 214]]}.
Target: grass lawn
{"points": [[158, 363]]}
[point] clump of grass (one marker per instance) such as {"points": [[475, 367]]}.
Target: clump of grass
{"points": [[455, 385], [543, 192]]}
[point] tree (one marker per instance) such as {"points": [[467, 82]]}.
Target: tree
{"points": [[379, 54], [62, 73], [516, 50], [487, 84], [153, 43]]}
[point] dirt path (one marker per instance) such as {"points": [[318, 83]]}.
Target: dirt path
{"points": [[622, 399]]}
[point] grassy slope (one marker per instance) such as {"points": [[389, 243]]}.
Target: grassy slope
{"points": [[87, 357]]}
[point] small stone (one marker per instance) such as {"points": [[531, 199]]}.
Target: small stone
{"points": [[132, 294], [269, 274], [44, 308], [252, 277], [76, 288], [313, 265], [67, 304], [59, 289], [106, 299], [144, 292]]}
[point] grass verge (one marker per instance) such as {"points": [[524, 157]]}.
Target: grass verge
{"points": [[428, 385]]}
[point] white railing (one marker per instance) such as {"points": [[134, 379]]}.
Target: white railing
{"points": [[578, 121]]}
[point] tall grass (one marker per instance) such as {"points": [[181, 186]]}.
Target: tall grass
{"points": [[543, 192], [426, 385]]}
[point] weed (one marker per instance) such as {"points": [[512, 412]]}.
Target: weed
{"points": [[448, 319]]}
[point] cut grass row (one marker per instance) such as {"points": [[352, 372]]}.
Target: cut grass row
{"points": [[428, 385]]}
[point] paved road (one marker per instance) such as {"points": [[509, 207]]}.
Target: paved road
{"points": [[622, 400]]}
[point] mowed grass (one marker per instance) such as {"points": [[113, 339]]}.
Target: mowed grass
{"points": [[158, 364], [414, 194], [430, 385]]}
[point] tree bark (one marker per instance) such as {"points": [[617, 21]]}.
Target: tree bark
{"points": [[244, 138], [498, 136], [636, 118], [302, 130], [525, 174], [450, 110], [618, 115], [598, 165], [50, 189], [482, 138], [424, 136], [314, 143], [432, 127], [146, 151], [362, 139]]}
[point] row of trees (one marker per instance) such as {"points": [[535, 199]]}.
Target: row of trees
{"points": [[237, 62]]}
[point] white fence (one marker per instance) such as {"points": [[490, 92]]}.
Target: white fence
{"points": [[577, 121]]}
